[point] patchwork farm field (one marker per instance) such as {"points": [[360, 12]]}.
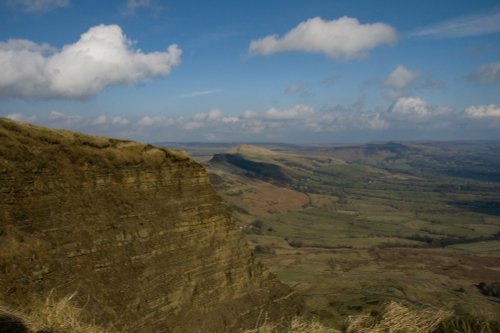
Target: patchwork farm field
{"points": [[353, 228]]}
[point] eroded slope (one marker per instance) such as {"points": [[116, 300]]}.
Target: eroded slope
{"points": [[135, 230]]}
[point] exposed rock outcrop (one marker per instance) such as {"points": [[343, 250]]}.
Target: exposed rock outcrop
{"points": [[137, 231]]}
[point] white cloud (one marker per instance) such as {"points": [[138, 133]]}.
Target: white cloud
{"points": [[201, 93], [329, 117], [65, 119], [100, 120], [399, 80], [254, 126], [342, 117], [297, 112], [401, 77], [214, 114], [344, 38], [200, 116], [211, 115], [471, 25], [120, 121], [212, 118], [373, 121], [249, 114], [20, 45], [133, 6], [413, 107], [488, 73], [158, 121], [116, 121], [21, 117], [416, 109], [146, 121], [191, 125], [38, 5], [230, 120], [483, 111], [101, 57]]}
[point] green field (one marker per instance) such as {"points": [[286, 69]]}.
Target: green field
{"points": [[413, 223]]}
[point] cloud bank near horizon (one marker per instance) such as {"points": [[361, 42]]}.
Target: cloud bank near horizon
{"points": [[405, 114]]}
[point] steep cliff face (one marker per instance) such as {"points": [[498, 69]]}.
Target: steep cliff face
{"points": [[135, 230]]}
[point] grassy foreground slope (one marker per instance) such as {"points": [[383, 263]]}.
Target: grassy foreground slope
{"points": [[62, 316], [418, 223]]}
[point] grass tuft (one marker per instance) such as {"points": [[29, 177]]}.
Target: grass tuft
{"points": [[49, 316], [398, 318], [63, 316], [297, 325]]}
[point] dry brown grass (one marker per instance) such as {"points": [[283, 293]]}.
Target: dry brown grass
{"points": [[62, 316], [50, 316], [297, 325], [398, 318]]}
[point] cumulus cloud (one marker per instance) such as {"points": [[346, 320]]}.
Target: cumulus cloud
{"points": [[341, 117], [488, 73], [64, 119], [413, 107], [121, 121], [103, 56], [297, 112], [470, 25], [249, 122], [21, 117], [249, 114], [416, 109], [399, 81], [215, 114], [146, 121], [483, 111], [103, 120], [401, 77], [344, 38], [408, 114], [23, 45], [213, 117], [100, 120], [230, 120], [158, 121], [38, 5], [373, 121]]}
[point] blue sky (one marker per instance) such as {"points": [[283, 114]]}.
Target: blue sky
{"points": [[284, 71]]}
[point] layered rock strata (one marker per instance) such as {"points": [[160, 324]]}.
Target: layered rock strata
{"points": [[136, 231]]}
